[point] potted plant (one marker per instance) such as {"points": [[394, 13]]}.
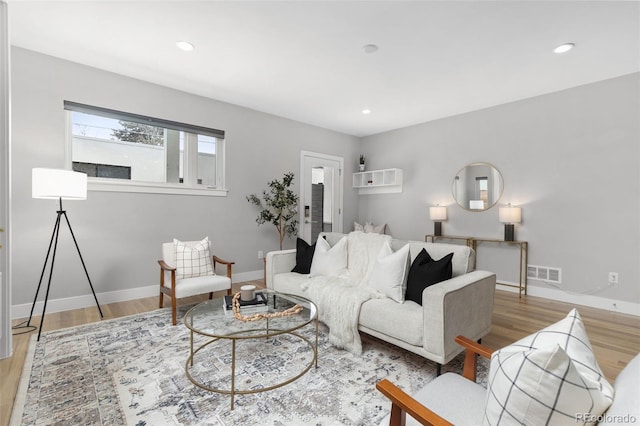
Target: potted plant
{"points": [[278, 207], [362, 166]]}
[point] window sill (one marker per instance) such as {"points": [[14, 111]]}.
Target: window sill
{"points": [[153, 188]]}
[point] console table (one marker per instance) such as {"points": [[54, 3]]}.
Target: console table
{"points": [[473, 243]]}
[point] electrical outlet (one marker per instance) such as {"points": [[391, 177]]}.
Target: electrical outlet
{"points": [[613, 278], [260, 254]]}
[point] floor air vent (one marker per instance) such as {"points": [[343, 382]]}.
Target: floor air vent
{"points": [[544, 273]]}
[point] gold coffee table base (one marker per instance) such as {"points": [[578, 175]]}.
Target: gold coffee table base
{"points": [[233, 391]]}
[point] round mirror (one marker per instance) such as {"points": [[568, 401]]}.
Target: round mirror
{"points": [[477, 186]]}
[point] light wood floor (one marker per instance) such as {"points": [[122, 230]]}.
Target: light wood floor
{"points": [[615, 337]]}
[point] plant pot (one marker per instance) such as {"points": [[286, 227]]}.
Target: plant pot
{"points": [[362, 167]]}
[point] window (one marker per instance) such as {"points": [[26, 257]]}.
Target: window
{"points": [[483, 190], [128, 152]]}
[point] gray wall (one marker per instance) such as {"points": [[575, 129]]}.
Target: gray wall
{"points": [[570, 159], [120, 233]]}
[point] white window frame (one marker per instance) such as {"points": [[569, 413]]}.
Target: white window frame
{"points": [[189, 186]]}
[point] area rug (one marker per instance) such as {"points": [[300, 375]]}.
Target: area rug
{"points": [[131, 371]]}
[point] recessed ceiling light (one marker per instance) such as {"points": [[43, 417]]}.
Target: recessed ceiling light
{"points": [[370, 48], [366, 111], [184, 45], [564, 48]]}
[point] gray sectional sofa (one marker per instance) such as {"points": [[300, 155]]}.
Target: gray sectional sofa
{"points": [[462, 305]]}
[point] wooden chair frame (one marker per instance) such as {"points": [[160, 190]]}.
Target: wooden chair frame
{"points": [[171, 291], [402, 403]]}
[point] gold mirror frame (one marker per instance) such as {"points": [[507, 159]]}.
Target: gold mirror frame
{"points": [[477, 186]]}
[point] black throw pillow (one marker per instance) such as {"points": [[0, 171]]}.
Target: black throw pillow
{"points": [[424, 272], [304, 256]]}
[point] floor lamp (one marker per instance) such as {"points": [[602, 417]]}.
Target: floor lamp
{"points": [[61, 185]]}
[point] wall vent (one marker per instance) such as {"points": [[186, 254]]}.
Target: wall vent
{"points": [[544, 273]]}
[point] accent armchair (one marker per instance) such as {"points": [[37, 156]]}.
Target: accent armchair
{"points": [[525, 387], [447, 394], [188, 269]]}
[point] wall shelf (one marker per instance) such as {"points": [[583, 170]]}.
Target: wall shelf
{"points": [[384, 181]]}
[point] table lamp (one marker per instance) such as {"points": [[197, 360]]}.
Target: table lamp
{"points": [[437, 214], [510, 215]]}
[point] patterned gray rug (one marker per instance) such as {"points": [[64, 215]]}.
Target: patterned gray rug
{"points": [[131, 371]]}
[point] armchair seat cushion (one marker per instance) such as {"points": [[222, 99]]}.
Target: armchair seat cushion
{"points": [[452, 397], [199, 285]]}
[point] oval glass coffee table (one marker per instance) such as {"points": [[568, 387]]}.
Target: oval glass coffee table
{"points": [[211, 320]]}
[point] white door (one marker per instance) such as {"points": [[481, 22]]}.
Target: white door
{"points": [[321, 184]]}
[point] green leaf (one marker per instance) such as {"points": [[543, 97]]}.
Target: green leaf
{"points": [[279, 206]]}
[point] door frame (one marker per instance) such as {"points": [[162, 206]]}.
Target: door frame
{"points": [[339, 188], [6, 340]]}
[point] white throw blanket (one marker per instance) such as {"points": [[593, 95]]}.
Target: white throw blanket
{"points": [[339, 301], [339, 298], [363, 251]]}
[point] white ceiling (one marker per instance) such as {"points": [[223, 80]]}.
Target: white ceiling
{"points": [[304, 60]]}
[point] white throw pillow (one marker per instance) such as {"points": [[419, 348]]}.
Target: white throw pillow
{"points": [[389, 274], [516, 368], [571, 335], [376, 229], [369, 228], [327, 260], [193, 260], [538, 387]]}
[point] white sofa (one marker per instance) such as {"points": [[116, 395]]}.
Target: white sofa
{"points": [[462, 305]]}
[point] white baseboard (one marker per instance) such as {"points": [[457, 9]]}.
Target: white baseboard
{"points": [[612, 305], [248, 276], [77, 302], [84, 301]]}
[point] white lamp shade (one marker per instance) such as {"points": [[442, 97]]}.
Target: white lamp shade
{"points": [[510, 214], [58, 183], [438, 213]]}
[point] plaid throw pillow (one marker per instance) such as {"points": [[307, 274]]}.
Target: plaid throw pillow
{"points": [[549, 377], [192, 260]]}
